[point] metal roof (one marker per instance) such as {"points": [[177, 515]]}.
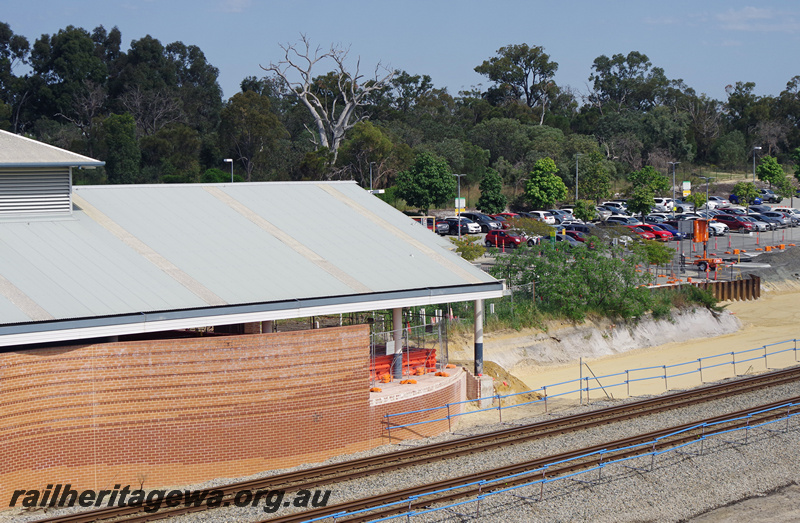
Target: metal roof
{"points": [[18, 151], [152, 257]]}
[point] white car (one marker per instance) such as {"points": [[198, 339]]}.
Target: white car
{"points": [[662, 204], [544, 216], [717, 228], [722, 203]]}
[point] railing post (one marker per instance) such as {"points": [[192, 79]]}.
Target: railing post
{"points": [[733, 360], [545, 398], [628, 382], [388, 427], [449, 424], [587, 390], [700, 363], [499, 407], [666, 384], [766, 366]]}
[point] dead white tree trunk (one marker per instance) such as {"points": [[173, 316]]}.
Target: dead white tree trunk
{"points": [[332, 119]]}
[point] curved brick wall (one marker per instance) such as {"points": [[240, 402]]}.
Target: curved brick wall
{"points": [[175, 412]]}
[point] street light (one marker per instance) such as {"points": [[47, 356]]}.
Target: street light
{"points": [[756, 148], [576, 177], [230, 161], [458, 205], [673, 164]]}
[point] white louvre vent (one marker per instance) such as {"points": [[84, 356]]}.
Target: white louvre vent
{"points": [[31, 191]]}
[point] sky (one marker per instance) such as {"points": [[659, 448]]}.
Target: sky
{"points": [[708, 44]]}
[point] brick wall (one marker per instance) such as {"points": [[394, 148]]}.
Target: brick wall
{"points": [[175, 412]]}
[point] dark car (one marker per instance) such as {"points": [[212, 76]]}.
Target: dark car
{"points": [[465, 226], [486, 222]]}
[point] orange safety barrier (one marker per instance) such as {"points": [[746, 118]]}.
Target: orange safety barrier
{"points": [[415, 362]]}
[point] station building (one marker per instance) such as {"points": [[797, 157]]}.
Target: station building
{"points": [[138, 340]]}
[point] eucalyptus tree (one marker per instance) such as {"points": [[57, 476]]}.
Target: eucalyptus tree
{"points": [[337, 114], [522, 72]]}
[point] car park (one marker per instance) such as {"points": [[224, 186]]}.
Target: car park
{"points": [[760, 208], [681, 206], [569, 240], [676, 234], [486, 222], [561, 215], [643, 234], [617, 207]]}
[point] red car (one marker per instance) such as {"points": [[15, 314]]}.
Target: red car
{"points": [[505, 221], [578, 235], [511, 239], [736, 222], [645, 235], [660, 234]]}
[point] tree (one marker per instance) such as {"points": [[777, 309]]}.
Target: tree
{"points": [[544, 186], [122, 154], [729, 150], [585, 210], [365, 154], [770, 171], [492, 199], [745, 192], [640, 200], [647, 176], [426, 183], [594, 180], [524, 72], [626, 82], [249, 130], [331, 120]]}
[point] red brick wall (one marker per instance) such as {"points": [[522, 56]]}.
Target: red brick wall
{"points": [[175, 412]]}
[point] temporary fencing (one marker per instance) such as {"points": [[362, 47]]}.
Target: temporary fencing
{"points": [[710, 368], [539, 475]]}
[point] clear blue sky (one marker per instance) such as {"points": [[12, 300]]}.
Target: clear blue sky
{"points": [[708, 44]]}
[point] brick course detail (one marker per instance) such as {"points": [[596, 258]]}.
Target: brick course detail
{"points": [[182, 411]]}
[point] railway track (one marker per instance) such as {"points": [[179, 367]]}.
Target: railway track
{"points": [[480, 483], [353, 469]]}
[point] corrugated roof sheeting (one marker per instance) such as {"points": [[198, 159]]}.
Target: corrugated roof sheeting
{"points": [[16, 150], [137, 249]]}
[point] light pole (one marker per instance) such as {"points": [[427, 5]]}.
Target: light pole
{"points": [[230, 161], [458, 204], [673, 164], [576, 177], [756, 148], [370, 177]]}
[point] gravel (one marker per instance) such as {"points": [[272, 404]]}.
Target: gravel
{"points": [[681, 486]]}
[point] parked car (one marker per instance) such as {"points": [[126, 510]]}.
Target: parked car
{"points": [[737, 223], [783, 220], [660, 234], [577, 235], [721, 202], [438, 226], [569, 240], [505, 223], [467, 225], [618, 207], [511, 239], [486, 222], [676, 234], [623, 220], [768, 195], [602, 212], [735, 200], [643, 234], [760, 208], [681, 206], [544, 216], [770, 224], [663, 204], [562, 215]]}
